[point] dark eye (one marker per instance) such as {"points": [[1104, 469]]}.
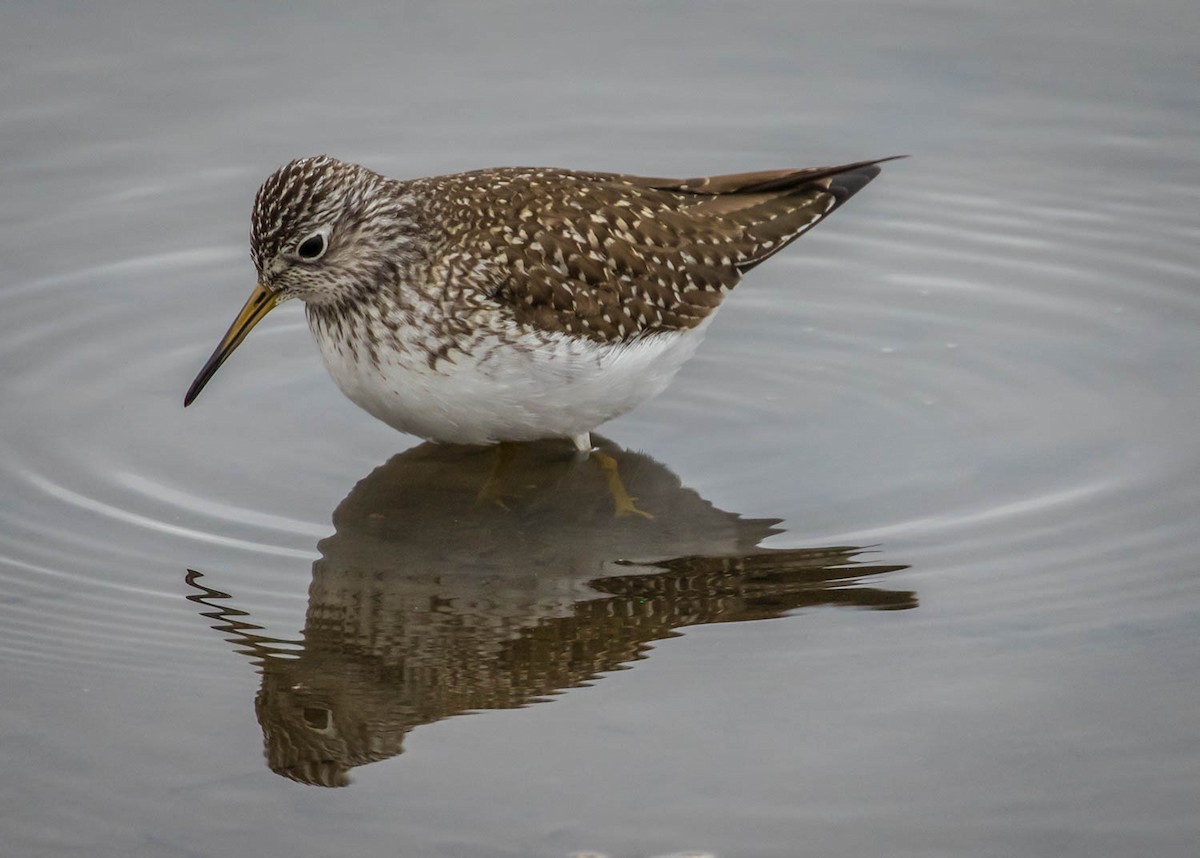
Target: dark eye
{"points": [[312, 247]]}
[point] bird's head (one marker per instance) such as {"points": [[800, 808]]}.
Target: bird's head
{"points": [[324, 231]]}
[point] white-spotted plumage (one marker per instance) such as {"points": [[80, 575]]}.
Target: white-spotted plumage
{"points": [[514, 304]]}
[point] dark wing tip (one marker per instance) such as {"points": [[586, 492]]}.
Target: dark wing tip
{"points": [[852, 178], [840, 183], [845, 185]]}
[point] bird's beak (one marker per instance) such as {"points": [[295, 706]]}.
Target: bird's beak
{"points": [[262, 300]]}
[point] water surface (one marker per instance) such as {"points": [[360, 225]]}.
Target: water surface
{"points": [[921, 576]]}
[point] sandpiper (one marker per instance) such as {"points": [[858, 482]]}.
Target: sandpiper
{"points": [[514, 304]]}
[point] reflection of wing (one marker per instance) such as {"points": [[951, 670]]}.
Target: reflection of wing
{"points": [[763, 585], [426, 605]]}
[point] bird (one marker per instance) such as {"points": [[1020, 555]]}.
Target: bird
{"points": [[514, 303]]}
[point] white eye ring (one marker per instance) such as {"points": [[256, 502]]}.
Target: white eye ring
{"points": [[314, 246]]}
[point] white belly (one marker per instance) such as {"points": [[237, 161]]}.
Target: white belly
{"points": [[549, 386]]}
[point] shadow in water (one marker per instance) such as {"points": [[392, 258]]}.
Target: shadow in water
{"points": [[461, 579]]}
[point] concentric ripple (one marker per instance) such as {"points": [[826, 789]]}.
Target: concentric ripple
{"points": [[903, 380]]}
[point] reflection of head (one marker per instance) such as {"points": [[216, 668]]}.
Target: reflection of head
{"points": [[426, 603], [319, 720]]}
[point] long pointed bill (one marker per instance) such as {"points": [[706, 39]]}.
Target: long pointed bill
{"points": [[262, 301]]}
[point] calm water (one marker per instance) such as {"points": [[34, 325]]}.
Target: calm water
{"points": [[947, 445]]}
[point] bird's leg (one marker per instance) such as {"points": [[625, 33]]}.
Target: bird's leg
{"points": [[492, 491], [624, 504], [582, 442]]}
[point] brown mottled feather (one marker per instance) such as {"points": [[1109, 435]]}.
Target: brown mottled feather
{"points": [[495, 305], [615, 257]]}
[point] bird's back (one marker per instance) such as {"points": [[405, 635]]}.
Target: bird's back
{"points": [[611, 257]]}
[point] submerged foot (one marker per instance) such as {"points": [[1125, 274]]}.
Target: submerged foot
{"points": [[622, 502], [493, 491]]}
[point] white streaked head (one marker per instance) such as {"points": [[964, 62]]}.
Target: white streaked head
{"points": [[326, 231], [329, 233]]}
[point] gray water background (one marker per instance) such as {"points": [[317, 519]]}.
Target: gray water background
{"points": [[983, 368]]}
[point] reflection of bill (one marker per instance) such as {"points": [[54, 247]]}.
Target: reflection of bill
{"points": [[434, 598]]}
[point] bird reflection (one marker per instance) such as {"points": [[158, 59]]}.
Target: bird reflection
{"points": [[434, 598]]}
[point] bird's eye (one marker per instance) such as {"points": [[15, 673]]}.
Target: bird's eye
{"points": [[312, 248]]}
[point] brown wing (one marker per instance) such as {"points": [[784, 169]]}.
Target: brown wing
{"points": [[610, 256]]}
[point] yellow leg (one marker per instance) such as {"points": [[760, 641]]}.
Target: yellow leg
{"points": [[624, 504], [492, 491]]}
